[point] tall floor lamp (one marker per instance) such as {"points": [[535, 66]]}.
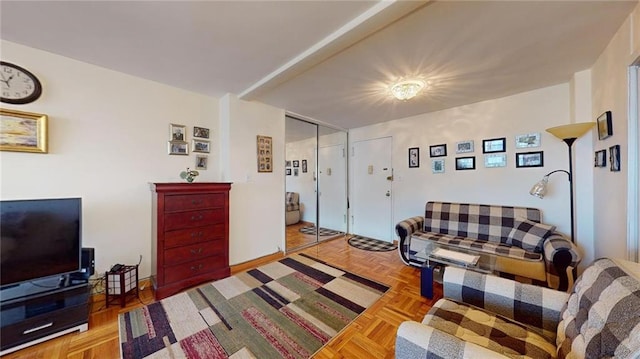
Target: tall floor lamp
{"points": [[567, 133]]}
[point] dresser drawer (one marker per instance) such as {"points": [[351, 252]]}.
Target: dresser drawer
{"points": [[186, 270], [193, 252], [192, 219], [187, 236], [188, 202]]}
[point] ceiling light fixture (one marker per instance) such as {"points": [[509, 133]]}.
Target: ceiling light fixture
{"points": [[405, 90]]}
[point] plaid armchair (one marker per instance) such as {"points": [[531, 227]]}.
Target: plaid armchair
{"points": [[483, 316], [521, 245]]}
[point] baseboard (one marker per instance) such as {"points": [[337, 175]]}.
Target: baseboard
{"points": [[236, 268]]}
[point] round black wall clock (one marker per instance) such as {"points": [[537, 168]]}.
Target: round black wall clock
{"points": [[19, 86]]}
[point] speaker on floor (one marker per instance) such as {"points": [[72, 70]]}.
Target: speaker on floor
{"points": [[87, 267]]}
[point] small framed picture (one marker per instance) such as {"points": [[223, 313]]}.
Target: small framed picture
{"points": [[465, 163], [201, 162], [605, 127], [296, 163], [304, 166], [495, 160], [23, 131], [529, 159], [614, 158], [200, 132], [287, 171], [464, 146], [287, 163], [200, 146], [600, 159], [494, 145], [177, 132], [295, 171], [438, 150], [414, 157], [178, 148], [528, 140], [437, 166]]}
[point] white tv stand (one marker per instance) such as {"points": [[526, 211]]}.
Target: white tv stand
{"points": [[41, 313]]}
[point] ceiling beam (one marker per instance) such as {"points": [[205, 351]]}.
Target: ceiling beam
{"points": [[375, 18]]}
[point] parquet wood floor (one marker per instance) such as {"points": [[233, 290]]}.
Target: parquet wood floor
{"points": [[372, 335]]}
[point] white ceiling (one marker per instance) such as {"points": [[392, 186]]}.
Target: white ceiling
{"points": [[328, 60]]}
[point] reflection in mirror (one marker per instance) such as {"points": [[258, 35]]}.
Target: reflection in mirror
{"points": [[300, 183], [332, 182]]}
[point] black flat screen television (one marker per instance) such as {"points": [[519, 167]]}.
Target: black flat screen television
{"points": [[39, 238]]}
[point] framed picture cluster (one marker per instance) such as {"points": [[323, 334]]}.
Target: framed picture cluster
{"points": [[179, 145], [265, 153], [493, 149], [295, 167]]}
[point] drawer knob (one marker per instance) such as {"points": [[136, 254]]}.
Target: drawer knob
{"points": [[196, 218], [194, 268], [196, 234], [198, 251], [196, 201]]}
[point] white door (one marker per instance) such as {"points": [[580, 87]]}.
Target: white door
{"points": [[332, 187], [371, 189]]}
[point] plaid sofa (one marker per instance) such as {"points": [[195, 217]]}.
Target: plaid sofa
{"points": [[292, 208], [519, 244], [483, 316]]}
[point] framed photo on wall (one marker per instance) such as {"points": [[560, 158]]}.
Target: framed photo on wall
{"points": [[530, 159], [200, 146], [23, 131], [414, 157], [437, 166], [178, 148], [464, 146], [465, 163], [200, 132], [494, 145], [495, 160], [304, 166], [614, 158], [600, 159], [438, 150], [605, 127], [528, 140], [264, 147], [177, 132], [201, 162]]}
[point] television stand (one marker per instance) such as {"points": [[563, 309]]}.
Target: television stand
{"points": [[40, 316]]}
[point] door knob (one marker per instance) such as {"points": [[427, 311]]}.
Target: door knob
{"points": [[388, 194]]}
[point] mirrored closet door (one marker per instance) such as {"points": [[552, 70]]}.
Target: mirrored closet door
{"points": [[315, 182]]}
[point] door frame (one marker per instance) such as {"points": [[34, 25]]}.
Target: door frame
{"points": [[633, 155]]}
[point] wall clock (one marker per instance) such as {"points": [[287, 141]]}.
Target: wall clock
{"points": [[19, 86]]}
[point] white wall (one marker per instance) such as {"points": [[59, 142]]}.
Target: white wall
{"points": [[528, 112], [256, 218], [610, 93], [108, 136]]}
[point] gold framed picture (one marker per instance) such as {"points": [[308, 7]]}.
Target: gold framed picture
{"points": [[23, 131], [265, 154]]}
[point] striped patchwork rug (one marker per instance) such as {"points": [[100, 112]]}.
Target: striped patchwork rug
{"points": [[284, 309], [370, 244], [323, 231]]}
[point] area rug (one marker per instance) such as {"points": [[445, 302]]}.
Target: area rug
{"points": [[323, 231], [285, 309], [370, 244]]}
